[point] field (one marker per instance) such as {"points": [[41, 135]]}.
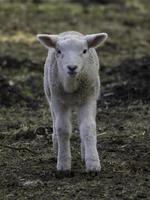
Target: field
{"points": [[27, 163]]}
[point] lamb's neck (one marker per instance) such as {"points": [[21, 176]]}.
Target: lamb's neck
{"points": [[70, 84]]}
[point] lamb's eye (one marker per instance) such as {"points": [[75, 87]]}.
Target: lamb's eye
{"points": [[84, 51], [58, 51]]}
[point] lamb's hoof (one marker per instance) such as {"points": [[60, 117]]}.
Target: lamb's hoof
{"points": [[93, 173], [64, 174], [93, 166]]}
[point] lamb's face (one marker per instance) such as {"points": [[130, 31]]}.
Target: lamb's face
{"points": [[71, 52], [71, 55]]}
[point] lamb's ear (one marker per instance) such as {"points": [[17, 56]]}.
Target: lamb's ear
{"points": [[94, 40], [49, 41]]}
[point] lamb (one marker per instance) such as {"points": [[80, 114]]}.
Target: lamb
{"points": [[71, 81]]}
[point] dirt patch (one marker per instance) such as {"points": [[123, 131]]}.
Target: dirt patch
{"points": [[13, 63], [30, 170], [11, 94], [127, 82], [105, 2]]}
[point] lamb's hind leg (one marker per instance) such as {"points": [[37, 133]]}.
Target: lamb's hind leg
{"points": [[82, 151], [48, 97], [54, 135]]}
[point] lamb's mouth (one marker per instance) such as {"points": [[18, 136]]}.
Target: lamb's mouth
{"points": [[72, 74]]}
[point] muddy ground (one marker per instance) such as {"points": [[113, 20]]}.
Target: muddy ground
{"points": [[27, 164]]}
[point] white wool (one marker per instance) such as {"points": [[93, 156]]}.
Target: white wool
{"points": [[65, 91]]}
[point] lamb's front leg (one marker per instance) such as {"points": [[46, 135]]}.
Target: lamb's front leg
{"points": [[87, 114], [63, 131]]}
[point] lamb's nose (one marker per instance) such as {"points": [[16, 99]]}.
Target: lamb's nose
{"points": [[72, 68]]}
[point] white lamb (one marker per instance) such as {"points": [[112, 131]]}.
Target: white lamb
{"points": [[71, 80]]}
